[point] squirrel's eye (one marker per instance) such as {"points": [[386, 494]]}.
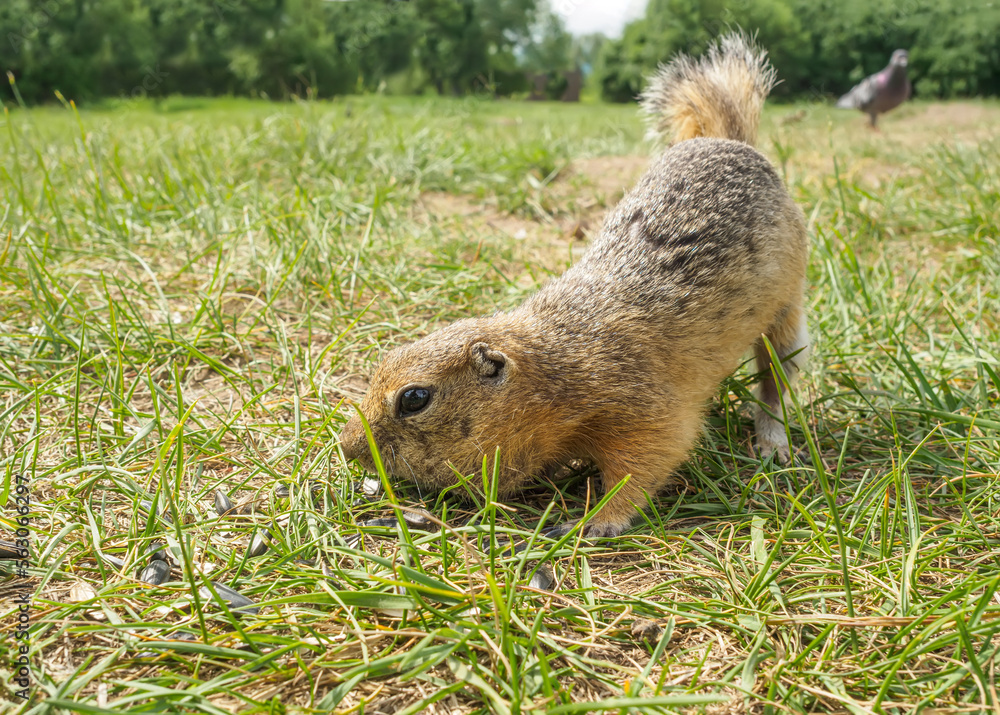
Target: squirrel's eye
{"points": [[414, 400]]}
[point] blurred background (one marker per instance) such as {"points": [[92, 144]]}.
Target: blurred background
{"points": [[95, 50]]}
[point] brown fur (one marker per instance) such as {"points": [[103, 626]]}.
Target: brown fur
{"points": [[720, 95], [615, 360]]}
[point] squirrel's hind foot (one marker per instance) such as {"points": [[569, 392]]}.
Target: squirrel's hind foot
{"points": [[774, 445]]}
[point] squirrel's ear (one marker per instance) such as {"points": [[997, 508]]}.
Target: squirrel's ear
{"points": [[487, 362]]}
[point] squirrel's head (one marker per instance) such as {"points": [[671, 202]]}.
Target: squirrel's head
{"points": [[438, 405]]}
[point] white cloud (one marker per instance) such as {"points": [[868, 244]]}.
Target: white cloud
{"points": [[607, 16]]}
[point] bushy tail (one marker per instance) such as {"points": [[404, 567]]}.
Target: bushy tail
{"points": [[719, 95]]}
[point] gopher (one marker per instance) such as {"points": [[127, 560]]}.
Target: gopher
{"points": [[616, 360]]}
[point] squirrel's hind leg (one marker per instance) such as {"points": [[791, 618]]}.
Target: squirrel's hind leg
{"points": [[790, 339]]}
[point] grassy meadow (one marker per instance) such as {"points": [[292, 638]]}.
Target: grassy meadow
{"points": [[193, 292]]}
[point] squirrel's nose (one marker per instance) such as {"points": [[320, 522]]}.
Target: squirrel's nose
{"points": [[352, 438]]}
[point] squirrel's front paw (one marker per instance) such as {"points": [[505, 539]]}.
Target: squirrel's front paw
{"points": [[603, 530], [595, 529]]}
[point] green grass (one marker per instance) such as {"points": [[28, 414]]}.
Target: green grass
{"points": [[193, 292]]}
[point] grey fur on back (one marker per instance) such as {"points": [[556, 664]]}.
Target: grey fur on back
{"points": [[686, 240]]}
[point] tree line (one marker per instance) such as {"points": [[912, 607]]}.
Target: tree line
{"points": [[89, 49], [93, 49]]}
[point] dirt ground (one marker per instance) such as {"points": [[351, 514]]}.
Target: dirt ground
{"points": [[589, 187], [586, 189]]}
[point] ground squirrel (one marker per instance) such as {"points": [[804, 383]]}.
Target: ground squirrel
{"points": [[615, 360]]}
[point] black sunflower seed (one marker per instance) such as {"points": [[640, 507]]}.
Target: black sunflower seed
{"points": [[259, 543], [237, 602], [156, 573], [223, 504]]}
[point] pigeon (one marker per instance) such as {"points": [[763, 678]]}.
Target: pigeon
{"points": [[881, 91]]}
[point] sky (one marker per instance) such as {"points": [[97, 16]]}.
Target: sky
{"points": [[607, 16]]}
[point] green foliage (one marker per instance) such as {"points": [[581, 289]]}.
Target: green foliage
{"points": [[552, 47], [271, 48], [623, 64], [57, 45], [820, 47]]}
